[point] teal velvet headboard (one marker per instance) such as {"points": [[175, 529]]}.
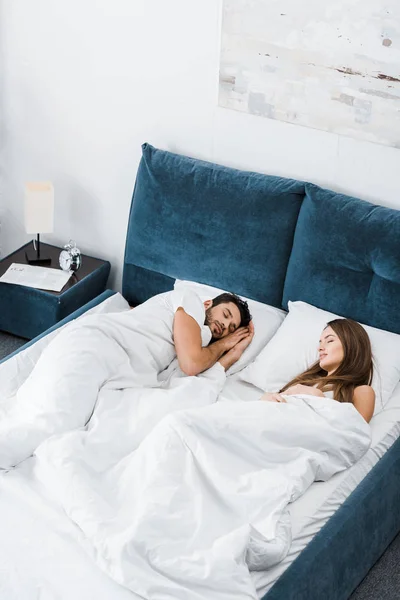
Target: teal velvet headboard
{"points": [[265, 237], [195, 220], [346, 258]]}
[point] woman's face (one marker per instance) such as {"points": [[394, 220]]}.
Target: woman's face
{"points": [[330, 350]]}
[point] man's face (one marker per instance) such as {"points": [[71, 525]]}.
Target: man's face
{"points": [[222, 319]]}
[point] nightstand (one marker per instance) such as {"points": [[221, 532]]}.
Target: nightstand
{"points": [[27, 312]]}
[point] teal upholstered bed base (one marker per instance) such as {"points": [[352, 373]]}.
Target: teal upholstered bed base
{"points": [[276, 240]]}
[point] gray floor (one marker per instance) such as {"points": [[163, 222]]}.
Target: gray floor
{"points": [[383, 580], [9, 343]]}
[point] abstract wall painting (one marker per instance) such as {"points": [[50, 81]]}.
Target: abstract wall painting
{"points": [[333, 66]]}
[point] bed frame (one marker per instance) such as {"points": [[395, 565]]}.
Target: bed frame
{"points": [[275, 240]]}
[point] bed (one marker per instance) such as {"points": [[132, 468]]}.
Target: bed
{"points": [[275, 241]]}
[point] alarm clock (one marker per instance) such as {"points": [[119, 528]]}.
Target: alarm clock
{"points": [[70, 258]]}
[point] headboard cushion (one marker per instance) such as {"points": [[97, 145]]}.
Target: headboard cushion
{"points": [[346, 258], [203, 222]]}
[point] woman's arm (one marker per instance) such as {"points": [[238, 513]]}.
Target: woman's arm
{"points": [[273, 397], [364, 401], [292, 391], [303, 389]]}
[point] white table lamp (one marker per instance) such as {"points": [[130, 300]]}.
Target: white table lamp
{"points": [[39, 216]]}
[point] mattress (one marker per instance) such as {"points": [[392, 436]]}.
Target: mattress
{"points": [[44, 555]]}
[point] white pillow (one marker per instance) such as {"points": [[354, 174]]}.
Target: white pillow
{"points": [[294, 348], [266, 319]]}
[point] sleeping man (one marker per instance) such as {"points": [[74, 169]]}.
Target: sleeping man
{"points": [[120, 351], [224, 321], [178, 324]]}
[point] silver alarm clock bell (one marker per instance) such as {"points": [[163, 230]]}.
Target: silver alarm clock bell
{"points": [[70, 258]]}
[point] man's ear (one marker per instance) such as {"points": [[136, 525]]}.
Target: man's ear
{"points": [[207, 304]]}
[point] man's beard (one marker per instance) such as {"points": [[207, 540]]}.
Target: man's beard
{"points": [[208, 321]]}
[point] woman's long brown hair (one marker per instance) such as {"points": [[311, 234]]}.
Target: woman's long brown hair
{"points": [[355, 369]]}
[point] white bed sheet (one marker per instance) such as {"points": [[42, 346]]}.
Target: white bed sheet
{"points": [[43, 555]]}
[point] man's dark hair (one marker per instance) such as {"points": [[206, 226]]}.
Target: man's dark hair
{"points": [[245, 316]]}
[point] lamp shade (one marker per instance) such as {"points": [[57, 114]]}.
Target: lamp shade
{"points": [[39, 207]]}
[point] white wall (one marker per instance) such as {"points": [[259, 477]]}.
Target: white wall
{"points": [[85, 82]]}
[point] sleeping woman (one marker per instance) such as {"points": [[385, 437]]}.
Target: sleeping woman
{"points": [[343, 371]]}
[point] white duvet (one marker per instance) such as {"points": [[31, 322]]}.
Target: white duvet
{"points": [[179, 495]]}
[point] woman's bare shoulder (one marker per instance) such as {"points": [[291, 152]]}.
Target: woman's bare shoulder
{"points": [[364, 391], [364, 401]]}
